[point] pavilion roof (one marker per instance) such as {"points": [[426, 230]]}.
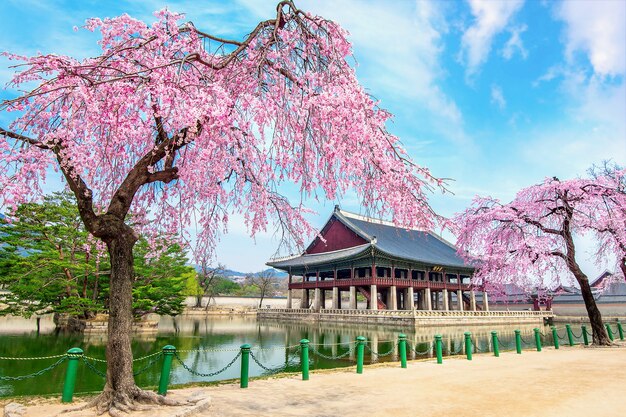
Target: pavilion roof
{"points": [[408, 244]]}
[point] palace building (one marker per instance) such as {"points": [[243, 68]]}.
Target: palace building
{"points": [[393, 268]]}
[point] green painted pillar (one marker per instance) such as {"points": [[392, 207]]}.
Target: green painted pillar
{"points": [[555, 337], [245, 365], [304, 359], [438, 349], [168, 355], [360, 350], [537, 339], [585, 334], [468, 345], [570, 336], [402, 348], [73, 356], [620, 330], [494, 342], [609, 331], [518, 342]]}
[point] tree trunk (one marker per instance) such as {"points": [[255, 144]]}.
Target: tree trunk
{"points": [[199, 301], [118, 351], [600, 336], [622, 266]]}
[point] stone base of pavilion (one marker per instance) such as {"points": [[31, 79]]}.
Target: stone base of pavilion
{"points": [[406, 317]]}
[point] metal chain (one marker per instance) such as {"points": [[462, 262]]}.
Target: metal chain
{"points": [[151, 362], [95, 359], [380, 355], [34, 374], [93, 368], [343, 355], [157, 353], [526, 341], [575, 336], [276, 347], [476, 347], [417, 352], [503, 346], [8, 358], [265, 368], [210, 374], [458, 350]]}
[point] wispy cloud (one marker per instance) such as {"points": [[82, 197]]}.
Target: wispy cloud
{"points": [[490, 18], [515, 44], [597, 30], [497, 97]]}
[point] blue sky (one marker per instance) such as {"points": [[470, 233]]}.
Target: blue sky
{"points": [[495, 95]]}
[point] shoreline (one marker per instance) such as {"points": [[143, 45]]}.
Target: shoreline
{"points": [[569, 381]]}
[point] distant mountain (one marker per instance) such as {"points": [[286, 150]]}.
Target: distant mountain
{"points": [[229, 273]]}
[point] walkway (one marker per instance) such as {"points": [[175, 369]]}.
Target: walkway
{"points": [[569, 382]]}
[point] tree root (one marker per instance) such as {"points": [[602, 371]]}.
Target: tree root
{"points": [[118, 403]]}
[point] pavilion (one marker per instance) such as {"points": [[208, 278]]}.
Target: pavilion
{"points": [[392, 267]]}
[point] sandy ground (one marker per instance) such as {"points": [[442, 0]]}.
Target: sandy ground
{"points": [[570, 382]]}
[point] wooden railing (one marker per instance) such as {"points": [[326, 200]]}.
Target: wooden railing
{"points": [[360, 282], [412, 313]]}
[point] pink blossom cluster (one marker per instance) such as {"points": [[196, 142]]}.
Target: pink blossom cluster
{"points": [[243, 119], [528, 242]]}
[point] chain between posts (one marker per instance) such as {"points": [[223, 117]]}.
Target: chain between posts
{"points": [[418, 352], [343, 355], [8, 358], [35, 374], [87, 361], [270, 370], [380, 355], [154, 359], [526, 342], [475, 344], [210, 374]]}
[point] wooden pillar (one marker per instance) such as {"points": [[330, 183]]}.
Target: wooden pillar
{"points": [[304, 301], [336, 294], [459, 296], [289, 298], [373, 297], [353, 305], [410, 295], [485, 301], [322, 299], [446, 306], [428, 299], [317, 300], [472, 300], [393, 298]]}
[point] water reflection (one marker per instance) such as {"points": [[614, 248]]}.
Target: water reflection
{"points": [[207, 345]]}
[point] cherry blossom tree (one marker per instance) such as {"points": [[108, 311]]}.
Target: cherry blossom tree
{"points": [[530, 241], [171, 126], [608, 220]]}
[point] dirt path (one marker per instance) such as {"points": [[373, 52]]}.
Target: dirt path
{"points": [[568, 382]]}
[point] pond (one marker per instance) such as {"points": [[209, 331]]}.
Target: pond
{"points": [[208, 344]]}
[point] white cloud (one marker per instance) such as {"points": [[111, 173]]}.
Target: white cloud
{"points": [[597, 29], [515, 44], [497, 97], [491, 18]]}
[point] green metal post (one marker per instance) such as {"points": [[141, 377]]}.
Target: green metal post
{"points": [[494, 342], [555, 337], [620, 330], [438, 349], [518, 342], [360, 349], [304, 359], [609, 331], [73, 355], [570, 336], [537, 339], [245, 365], [402, 346], [585, 335], [468, 345], [168, 355]]}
